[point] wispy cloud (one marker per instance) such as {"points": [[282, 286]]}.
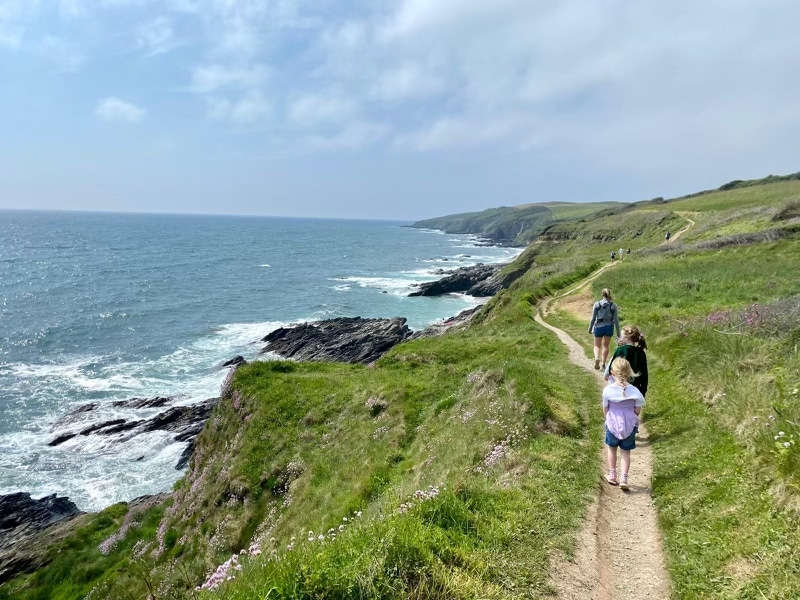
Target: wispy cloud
{"points": [[248, 110], [313, 109], [114, 109], [156, 37], [210, 78]]}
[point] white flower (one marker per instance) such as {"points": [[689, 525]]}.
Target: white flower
{"points": [[780, 433], [786, 444]]}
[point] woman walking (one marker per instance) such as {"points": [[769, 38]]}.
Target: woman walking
{"points": [[602, 325]]}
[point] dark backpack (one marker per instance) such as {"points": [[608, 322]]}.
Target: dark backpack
{"points": [[604, 312]]}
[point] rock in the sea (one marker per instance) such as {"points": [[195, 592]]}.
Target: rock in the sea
{"points": [[20, 510], [234, 362], [156, 402], [185, 421], [346, 339], [182, 418], [21, 519], [461, 280], [460, 319]]}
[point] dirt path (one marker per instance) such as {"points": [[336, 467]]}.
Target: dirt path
{"points": [[619, 551], [680, 232]]}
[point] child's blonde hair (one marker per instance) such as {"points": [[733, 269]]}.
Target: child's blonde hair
{"points": [[621, 370]]}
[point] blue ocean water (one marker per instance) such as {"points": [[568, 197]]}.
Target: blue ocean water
{"points": [[102, 307]]}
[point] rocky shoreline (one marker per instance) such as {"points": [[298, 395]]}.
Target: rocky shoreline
{"points": [[346, 339]]}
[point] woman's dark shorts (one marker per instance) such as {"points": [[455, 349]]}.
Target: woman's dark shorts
{"points": [[603, 331], [629, 443]]}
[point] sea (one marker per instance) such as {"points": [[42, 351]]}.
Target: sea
{"points": [[101, 307]]}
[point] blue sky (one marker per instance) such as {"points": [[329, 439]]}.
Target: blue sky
{"points": [[401, 109]]}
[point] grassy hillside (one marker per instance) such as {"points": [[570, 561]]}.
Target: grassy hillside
{"points": [[460, 466], [515, 225], [723, 332]]}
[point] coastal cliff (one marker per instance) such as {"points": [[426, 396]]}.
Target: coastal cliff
{"points": [[461, 465]]}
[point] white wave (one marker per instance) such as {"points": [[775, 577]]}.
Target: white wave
{"points": [[398, 286], [341, 288], [264, 265]]}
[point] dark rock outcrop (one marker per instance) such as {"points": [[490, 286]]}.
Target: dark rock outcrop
{"points": [[21, 520], [182, 419], [19, 510], [234, 362], [185, 421], [463, 279], [460, 319], [156, 402], [346, 339]]}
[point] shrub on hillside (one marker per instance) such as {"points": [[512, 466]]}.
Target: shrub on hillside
{"points": [[790, 211], [780, 319]]}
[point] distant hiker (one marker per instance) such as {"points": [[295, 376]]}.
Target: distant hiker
{"points": [[621, 253], [632, 348], [602, 325], [669, 235], [628, 251], [613, 255], [622, 403]]}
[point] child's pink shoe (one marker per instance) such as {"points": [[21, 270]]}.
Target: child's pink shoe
{"points": [[623, 484], [612, 477]]}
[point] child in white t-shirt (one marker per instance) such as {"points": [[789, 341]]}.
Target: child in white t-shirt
{"points": [[622, 403]]}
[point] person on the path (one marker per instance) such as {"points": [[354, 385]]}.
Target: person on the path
{"points": [[632, 348], [602, 325], [621, 253], [667, 236], [622, 403], [613, 255]]}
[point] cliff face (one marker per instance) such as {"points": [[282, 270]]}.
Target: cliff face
{"points": [[515, 225], [385, 476], [505, 226]]}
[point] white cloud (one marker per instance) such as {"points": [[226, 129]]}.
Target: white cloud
{"points": [[248, 110], [409, 81], [156, 36], [62, 52], [353, 136], [315, 109], [14, 20], [114, 109], [211, 78]]}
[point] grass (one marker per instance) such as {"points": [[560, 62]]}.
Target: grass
{"points": [[493, 417], [456, 467], [724, 367]]}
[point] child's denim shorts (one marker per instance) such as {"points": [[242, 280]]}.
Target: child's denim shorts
{"points": [[603, 330], [629, 443]]}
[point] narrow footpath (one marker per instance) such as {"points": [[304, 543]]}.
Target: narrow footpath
{"points": [[619, 549]]}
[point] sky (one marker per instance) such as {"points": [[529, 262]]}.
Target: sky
{"points": [[389, 109]]}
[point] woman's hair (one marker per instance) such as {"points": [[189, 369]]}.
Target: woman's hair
{"points": [[632, 335], [621, 370], [607, 294]]}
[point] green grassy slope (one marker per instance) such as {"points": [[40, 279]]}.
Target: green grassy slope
{"points": [[515, 225], [723, 412], [455, 467]]}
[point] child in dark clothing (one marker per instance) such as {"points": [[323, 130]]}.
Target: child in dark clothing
{"points": [[632, 348]]}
